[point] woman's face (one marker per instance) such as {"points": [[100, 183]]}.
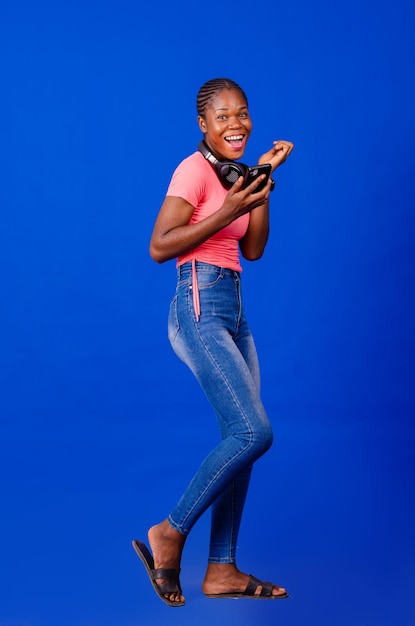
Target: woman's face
{"points": [[226, 125]]}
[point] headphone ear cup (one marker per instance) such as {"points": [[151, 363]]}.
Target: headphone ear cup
{"points": [[230, 171]]}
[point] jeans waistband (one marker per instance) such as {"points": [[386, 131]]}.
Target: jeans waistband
{"points": [[200, 266]]}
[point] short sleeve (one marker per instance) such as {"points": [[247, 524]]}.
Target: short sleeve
{"points": [[189, 181]]}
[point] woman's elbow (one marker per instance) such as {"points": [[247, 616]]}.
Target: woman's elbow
{"points": [[254, 257], [160, 253], [252, 254], [156, 254]]}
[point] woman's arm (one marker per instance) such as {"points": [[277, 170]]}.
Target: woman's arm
{"points": [[173, 235], [253, 243]]}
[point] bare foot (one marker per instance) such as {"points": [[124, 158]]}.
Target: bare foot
{"points": [[167, 547], [223, 578]]}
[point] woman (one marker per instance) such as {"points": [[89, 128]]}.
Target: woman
{"points": [[203, 223]]}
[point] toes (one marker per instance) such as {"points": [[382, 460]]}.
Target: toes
{"points": [[278, 591], [173, 598]]}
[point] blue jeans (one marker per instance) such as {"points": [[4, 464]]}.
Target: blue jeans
{"points": [[220, 351]]}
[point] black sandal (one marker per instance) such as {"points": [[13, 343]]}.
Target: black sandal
{"points": [[171, 575], [252, 586]]}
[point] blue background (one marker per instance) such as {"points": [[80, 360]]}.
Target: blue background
{"points": [[101, 425]]}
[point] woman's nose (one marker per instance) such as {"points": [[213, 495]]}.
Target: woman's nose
{"points": [[234, 122]]}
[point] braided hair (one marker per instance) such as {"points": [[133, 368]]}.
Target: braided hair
{"points": [[210, 89]]}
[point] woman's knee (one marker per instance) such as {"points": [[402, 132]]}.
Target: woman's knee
{"points": [[260, 439], [265, 438]]}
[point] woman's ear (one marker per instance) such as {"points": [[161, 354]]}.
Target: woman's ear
{"points": [[202, 124]]}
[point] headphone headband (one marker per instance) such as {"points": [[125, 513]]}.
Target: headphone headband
{"points": [[203, 148]]}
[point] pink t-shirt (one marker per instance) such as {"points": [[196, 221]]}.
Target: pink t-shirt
{"points": [[196, 181]]}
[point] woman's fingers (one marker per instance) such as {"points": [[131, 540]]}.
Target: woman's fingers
{"points": [[256, 183], [278, 153]]}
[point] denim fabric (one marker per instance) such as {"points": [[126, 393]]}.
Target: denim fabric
{"points": [[220, 351]]}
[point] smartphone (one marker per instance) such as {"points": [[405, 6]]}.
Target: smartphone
{"points": [[256, 170]]}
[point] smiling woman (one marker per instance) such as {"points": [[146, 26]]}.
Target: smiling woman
{"points": [[224, 120], [205, 224]]}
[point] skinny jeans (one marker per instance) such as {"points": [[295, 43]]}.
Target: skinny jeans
{"points": [[219, 349]]}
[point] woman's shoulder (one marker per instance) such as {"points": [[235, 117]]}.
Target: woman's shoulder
{"points": [[193, 170], [195, 160], [193, 179]]}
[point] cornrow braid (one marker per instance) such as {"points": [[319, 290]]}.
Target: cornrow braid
{"points": [[210, 89]]}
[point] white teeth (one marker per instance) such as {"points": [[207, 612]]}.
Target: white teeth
{"points": [[234, 138]]}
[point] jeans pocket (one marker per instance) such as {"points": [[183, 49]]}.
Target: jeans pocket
{"points": [[173, 321], [207, 280]]}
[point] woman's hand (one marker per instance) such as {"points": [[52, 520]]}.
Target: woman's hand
{"points": [[240, 201], [278, 154]]}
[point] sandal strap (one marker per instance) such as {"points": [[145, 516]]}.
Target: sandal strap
{"points": [[168, 587], [253, 585], [171, 576]]}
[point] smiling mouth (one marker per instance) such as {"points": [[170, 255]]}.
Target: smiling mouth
{"points": [[235, 140]]}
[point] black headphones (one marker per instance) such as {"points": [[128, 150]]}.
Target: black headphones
{"points": [[228, 171]]}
